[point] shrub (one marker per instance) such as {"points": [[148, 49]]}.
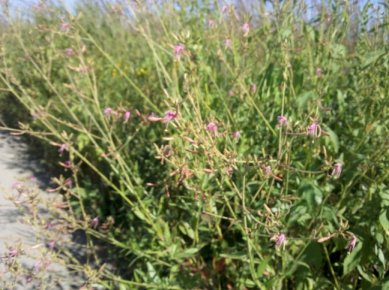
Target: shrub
{"points": [[215, 147]]}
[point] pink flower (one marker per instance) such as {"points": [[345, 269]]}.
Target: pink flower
{"points": [[211, 23], [236, 134], [69, 52], [352, 242], [279, 240], [108, 111], [246, 29], [212, 127], [40, 265], [169, 116], [67, 164], [228, 43], [52, 244], [18, 186], [314, 130], [179, 50], [12, 253], [95, 222], [225, 8], [65, 26], [68, 183], [282, 120], [62, 148], [318, 72], [38, 7], [126, 116], [267, 170], [253, 88], [337, 170]]}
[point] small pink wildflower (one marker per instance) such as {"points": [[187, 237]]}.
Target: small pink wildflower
{"points": [[253, 88], [68, 183], [169, 116], [318, 72], [179, 50], [18, 186], [69, 52], [212, 127], [40, 265], [246, 28], [211, 23], [52, 244], [282, 120], [126, 116], [67, 164], [314, 130], [279, 239], [352, 242], [108, 111], [38, 7], [228, 43], [95, 222], [62, 148], [337, 170], [65, 26], [225, 8], [116, 9], [12, 253], [29, 279], [50, 225], [267, 170], [236, 134]]}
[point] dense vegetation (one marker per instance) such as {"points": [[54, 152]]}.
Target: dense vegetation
{"points": [[211, 146]]}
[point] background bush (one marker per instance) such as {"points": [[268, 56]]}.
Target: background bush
{"points": [[202, 197]]}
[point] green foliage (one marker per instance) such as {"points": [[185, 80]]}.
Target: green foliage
{"points": [[185, 206]]}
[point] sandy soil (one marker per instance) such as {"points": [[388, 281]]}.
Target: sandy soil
{"points": [[14, 165]]}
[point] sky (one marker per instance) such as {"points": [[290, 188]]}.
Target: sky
{"points": [[20, 5]]}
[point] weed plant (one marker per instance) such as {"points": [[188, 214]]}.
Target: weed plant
{"points": [[207, 145]]}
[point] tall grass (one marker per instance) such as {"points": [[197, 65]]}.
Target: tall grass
{"points": [[213, 146]]}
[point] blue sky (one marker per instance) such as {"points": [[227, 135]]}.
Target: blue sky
{"points": [[21, 5]]}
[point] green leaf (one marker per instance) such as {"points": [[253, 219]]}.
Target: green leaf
{"points": [[312, 195], [82, 141], [332, 139], [241, 257], [353, 259], [249, 283], [384, 221], [338, 50], [139, 214], [152, 273], [186, 229], [372, 58], [188, 253], [303, 99], [262, 266], [364, 274]]}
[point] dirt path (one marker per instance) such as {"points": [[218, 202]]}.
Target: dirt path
{"points": [[15, 164]]}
